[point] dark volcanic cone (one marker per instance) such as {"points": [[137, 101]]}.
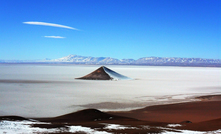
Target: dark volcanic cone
{"points": [[104, 73], [98, 74]]}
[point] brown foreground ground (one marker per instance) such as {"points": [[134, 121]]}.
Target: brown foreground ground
{"points": [[207, 109], [203, 115]]}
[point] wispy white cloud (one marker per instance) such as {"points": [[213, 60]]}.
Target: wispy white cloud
{"points": [[60, 37], [48, 24]]}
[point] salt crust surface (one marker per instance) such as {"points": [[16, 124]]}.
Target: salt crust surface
{"points": [[117, 127], [24, 127], [174, 125], [34, 90]]}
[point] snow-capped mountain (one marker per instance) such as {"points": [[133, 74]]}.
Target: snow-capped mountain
{"points": [[92, 60], [172, 61], [161, 60], [142, 61]]}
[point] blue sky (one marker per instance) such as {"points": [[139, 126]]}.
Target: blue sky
{"points": [[110, 28]]}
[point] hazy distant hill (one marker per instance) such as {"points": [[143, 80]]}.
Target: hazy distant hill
{"points": [[160, 61]]}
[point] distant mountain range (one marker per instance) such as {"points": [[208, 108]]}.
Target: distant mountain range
{"points": [[158, 61]]}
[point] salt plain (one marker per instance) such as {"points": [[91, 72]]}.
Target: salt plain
{"points": [[35, 90]]}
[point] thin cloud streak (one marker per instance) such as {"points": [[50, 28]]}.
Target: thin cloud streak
{"points": [[48, 24], [57, 37]]}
